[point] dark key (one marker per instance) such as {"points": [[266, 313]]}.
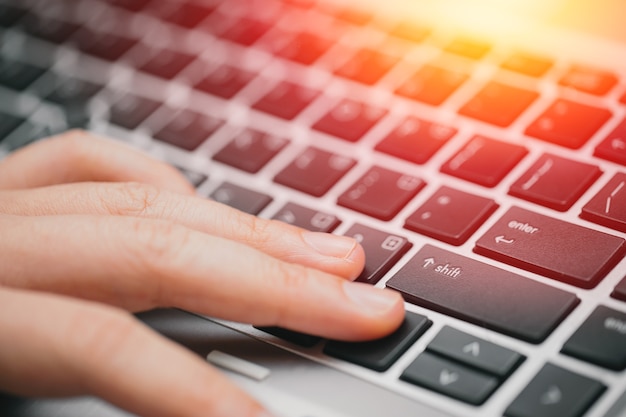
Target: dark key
{"points": [[455, 285], [286, 100], [29, 133], [184, 14], [48, 28], [245, 31], [367, 66], [432, 85], [194, 177], [613, 147], [188, 129], [106, 46], [350, 120], [527, 64], [555, 182], [410, 32], [382, 251], [305, 48], [225, 81], [416, 140], [619, 291], [381, 193], [10, 14], [555, 391], [131, 110], [554, 248], [18, 75], [307, 218], [131, 5], [250, 150], [297, 338], [241, 198], [8, 123], [72, 90], [608, 207], [568, 123], [499, 104], [601, 339], [314, 171], [468, 48], [484, 161], [380, 354], [166, 63], [450, 215], [589, 80], [450, 378], [475, 352]]}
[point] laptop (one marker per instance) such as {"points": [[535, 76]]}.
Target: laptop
{"points": [[476, 149]]}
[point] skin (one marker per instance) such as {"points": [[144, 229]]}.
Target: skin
{"points": [[93, 230]]}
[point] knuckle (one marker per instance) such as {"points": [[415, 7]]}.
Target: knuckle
{"points": [[128, 198]]}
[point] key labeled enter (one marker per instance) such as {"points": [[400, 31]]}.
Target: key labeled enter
{"points": [[554, 248]]}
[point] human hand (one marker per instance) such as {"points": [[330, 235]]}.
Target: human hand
{"points": [[92, 229]]}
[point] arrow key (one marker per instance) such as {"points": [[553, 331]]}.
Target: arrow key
{"points": [[556, 392], [475, 352], [613, 147], [450, 378], [608, 207]]}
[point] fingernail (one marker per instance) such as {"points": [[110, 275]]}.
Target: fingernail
{"points": [[371, 298], [330, 245]]}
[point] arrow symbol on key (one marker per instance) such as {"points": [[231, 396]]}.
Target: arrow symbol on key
{"points": [[472, 349], [618, 144], [552, 396], [447, 377], [502, 239], [428, 262]]}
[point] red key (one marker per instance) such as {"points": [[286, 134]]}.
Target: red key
{"points": [[623, 99], [555, 182], [432, 85], [381, 193], [225, 81], [608, 207], [367, 66], [568, 123], [450, 215], [286, 100], [484, 161], [250, 150], [498, 103], [305, 48], [589, 80], [349, 120], [613, 147]]}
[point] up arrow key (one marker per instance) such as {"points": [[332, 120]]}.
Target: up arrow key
{"points": [[472, 349]]}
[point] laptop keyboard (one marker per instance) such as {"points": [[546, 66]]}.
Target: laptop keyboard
{"points": [[487, 185]]}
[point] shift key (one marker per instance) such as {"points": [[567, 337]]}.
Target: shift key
{"points": [[554, 248], [482, 294]]}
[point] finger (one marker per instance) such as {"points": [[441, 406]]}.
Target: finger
{"points": [[62, 346], [139, 263], [337, 255], [80, 156]]}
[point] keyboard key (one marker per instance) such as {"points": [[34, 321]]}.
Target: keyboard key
{"points": [[589, 80], [527, 64], [10, 14], [245, 31], [166, 63], [613, 147], [450, 215], [286, 100], [555, 182], [307, 218], [455, 285], [367, 66], [601, 339], [18, 75], [554, 248], [291, 336], [188, 129], [568, 123], [48, 28], [382, 251], [475, 352], [225, 81], [184, 14], [241, 198], [416, 140], [194, 177], [131, 110], [381, 193], [623, 99], [250, 150], [380, 354], [484, 161], [432, 85], [468, 48], [349, 120], [106, 46], [305, 48], [499, 104], [410, 32], [608, 207], [70, 91], [314, 171], [555, 391], [8, 123], [450, 378], [620, 290]]}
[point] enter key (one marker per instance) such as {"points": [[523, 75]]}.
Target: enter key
{"points": [[554, 248]]}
